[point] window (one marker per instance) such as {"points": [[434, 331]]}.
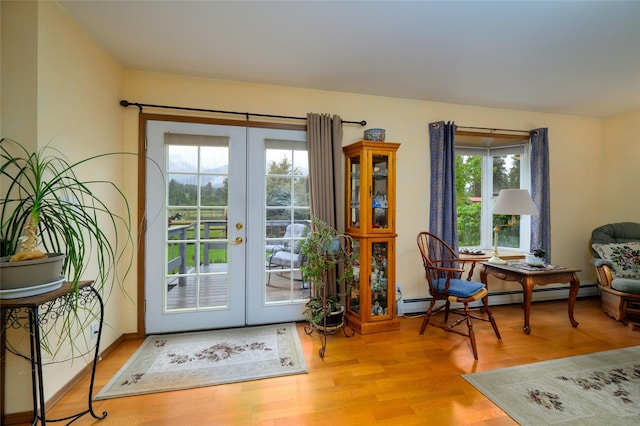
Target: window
{"points": [[482, 170]]}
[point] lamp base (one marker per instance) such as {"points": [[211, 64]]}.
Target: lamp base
{"points": [[495, 259]]}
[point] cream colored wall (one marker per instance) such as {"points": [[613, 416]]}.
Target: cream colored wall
{"points": [[78, 86], [574, 149], [620, 172], [19, 67]]}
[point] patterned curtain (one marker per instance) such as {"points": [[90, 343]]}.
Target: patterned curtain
{"points": [[540, 223], [443, 217]]}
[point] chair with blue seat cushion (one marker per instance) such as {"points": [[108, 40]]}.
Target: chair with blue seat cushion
{"points": [[443, 270]]}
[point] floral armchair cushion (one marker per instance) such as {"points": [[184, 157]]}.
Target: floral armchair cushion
{"points": [[625, 258]]}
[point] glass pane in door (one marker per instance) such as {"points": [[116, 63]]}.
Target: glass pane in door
{"points": [[196, 240], [287, 220]]}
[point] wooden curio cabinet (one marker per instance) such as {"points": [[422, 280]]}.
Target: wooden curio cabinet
{"points": [[371, 222]]}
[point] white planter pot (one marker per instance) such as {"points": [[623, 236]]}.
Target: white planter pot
{"points": [[41, 275], [533, 260]]}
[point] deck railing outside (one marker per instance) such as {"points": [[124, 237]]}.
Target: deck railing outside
{"points": [[177, 241]]}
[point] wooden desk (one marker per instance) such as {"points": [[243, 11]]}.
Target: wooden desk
{"points": [[529, 278], [488, 254]]}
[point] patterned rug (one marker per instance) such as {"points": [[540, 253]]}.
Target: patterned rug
{"points": [[596, 389], [188, 360]]}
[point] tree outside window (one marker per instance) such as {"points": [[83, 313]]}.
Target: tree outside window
{"points": [[481, 171], [287, 189]]}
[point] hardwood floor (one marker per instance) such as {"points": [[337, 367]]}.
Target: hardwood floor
{"points": [[391, 378]]}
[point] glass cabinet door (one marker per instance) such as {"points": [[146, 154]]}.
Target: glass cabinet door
{"points": [[354, 296], [354, 193], [372, 299], [379, 282], [379, 191], [370, 188]]}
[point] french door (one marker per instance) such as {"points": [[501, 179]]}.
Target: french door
{"points": [[205, 259]]}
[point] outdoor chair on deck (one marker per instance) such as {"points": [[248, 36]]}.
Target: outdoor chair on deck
{"points": [[287, 254], [443, 270]]}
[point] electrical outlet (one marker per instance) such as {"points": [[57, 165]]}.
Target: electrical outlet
{"points": [[398, 288], [95, 329]]}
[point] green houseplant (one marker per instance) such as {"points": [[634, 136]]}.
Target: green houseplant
{"points": [[45, 208], [329, 259]]}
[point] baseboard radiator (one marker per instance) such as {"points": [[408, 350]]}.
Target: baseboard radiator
{"points": [[420, 305]]}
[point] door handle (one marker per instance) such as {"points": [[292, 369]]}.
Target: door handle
{"points": [[237, 241]]}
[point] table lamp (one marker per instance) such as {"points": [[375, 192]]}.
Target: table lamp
{"points": [[513, 202]]}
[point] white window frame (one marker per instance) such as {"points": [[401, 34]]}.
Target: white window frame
{"points": [[486, 219]]}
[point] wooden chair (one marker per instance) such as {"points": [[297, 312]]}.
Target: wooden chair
{"points": [[443, 270]]}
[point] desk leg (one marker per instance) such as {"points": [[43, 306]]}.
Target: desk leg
{"points": [[573, 295], [483, 280], [527, 293], [483, 275]]}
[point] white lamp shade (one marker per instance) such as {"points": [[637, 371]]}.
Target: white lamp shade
{"points": [[514, 202]]}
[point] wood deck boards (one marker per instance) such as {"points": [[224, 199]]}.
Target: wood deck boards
{"points": [[214, 289]]}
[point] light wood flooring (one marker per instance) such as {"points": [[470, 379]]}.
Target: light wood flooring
{"points": [[391, 378]]}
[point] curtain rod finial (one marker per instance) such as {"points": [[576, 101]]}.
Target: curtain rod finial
{"points": [[124, 103]]}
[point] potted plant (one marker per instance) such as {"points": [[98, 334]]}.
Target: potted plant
{"points": [[329, 258], [47, 211], [328, 318], [536, 257]]}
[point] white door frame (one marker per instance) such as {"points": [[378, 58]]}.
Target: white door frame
{"points": [[255, 309]]}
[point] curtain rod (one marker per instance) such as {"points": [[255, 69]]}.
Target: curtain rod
{"points": [[493, 130], [126, 103]]}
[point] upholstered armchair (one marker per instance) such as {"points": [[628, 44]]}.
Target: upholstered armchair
{"points": [[615, 251]]}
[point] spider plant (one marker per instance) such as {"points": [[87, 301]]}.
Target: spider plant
{"points": [[46, 205]]}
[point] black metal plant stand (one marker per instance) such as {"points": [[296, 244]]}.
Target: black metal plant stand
{"points": [[29, 313], [323, 329]]}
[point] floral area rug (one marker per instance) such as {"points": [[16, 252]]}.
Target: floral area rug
{"points": [[596, 389], [188, 360]]}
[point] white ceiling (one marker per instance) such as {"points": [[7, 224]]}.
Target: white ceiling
{"points": [[567, 57]]}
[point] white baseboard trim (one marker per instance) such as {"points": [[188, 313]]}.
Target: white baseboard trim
{"points": [[420, 305]]}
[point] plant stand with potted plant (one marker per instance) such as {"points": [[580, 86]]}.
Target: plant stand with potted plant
{"points": [[329, 258], [47, 212]]}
